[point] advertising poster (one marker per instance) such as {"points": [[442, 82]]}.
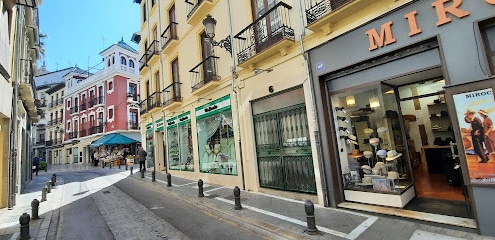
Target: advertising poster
{"points": [[475, 112]]}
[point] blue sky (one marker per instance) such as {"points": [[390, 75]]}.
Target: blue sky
{"points": [[78, 30]]}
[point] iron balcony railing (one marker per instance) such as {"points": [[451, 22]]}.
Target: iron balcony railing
{"points": [[72, 135], [143, 106], [269, 29], [74, 109], [153, 49], [92, 102], [316, 9], [57, 141], [82, 107], [169, 34], [49, 143], [82, 133], [154, 100], [133, 125], [99, 100], [192, 6], [204, 72], [171, 94], [143, 61], [40, 142], [96, 129], [59, 120]]}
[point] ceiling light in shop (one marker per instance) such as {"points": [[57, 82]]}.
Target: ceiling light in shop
{"points": [[350, 100], [374, 102]]}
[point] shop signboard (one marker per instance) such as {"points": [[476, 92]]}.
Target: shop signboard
{"points": [[475, 111], [159, 125]]}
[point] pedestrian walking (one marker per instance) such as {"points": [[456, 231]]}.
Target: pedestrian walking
{"points": [[142, 158], [36, 165]]}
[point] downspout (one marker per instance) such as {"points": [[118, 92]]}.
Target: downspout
{"points": [[234, 76], [14, 131], [316, 132]]}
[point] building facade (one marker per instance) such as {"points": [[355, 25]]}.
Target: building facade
{"points": [[19, 44], [98, 104], [341, 102]]}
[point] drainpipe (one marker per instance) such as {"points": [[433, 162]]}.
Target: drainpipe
{"points": [[316, 132], [234, 76], [13, 130]]}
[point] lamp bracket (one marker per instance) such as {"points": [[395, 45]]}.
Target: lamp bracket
{"points": [[224, 43]]}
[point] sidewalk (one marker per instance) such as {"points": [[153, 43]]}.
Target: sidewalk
{"points": [[283, 217]]}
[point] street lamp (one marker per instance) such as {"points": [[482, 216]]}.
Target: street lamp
{"points": [[209, 24]]}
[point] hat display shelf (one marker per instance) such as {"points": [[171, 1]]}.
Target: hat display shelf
{"points": [[440, 123]]}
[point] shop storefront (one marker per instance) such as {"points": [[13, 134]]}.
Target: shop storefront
{"points": [[398, 94], [180, 143], [216, 144]]}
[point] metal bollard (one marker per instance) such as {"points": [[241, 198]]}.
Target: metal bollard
{"points": [[24, 221], [309, 208], [153, 176], [54, 179], [169, 180], [35, 205], [132, 168], [49, 186], [119, 164], [200, 188], [237, 198], [142, 173], [43, 194], [110, 163]]}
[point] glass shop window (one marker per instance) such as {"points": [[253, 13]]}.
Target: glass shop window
{"points": [[370, 140], [488, 34]]}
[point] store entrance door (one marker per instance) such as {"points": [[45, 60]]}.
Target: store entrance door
{"points": [[437, 175]]}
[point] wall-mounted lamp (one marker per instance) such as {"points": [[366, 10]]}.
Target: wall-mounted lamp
{"points": [[209, 23], [342, 119], [350, 100], [340, 109]]}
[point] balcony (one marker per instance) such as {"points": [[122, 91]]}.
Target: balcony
{"points": [[268, 35], [152, 52], [154, 100], [171, 95], [143, 61], [82, 107], [143, 106], [82, 133], [96, 129], [72, 135], [321, 15], [74, 109], [99, 100], [197, 10], [40, 142], [49, 143], [204, 75], [133, 125], [92, 102], [169, 37]]}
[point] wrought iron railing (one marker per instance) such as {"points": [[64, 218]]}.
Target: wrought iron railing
{"points": [[192, 6], [92, 102], [49, 143], [143, 106], [169, 34], [143, 61], [74, 109], [82, 133], [154, 100], [72, 135], [171, 94], [133, 125], [96, 129], [99, 100], [315, 9], [82, 107], [269, 29], [204, 72], [153, 49]]}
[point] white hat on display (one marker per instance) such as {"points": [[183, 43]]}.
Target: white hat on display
{"points": [[368, 154], [392, 155], [381, 153], [374, 141], [382, 130]]}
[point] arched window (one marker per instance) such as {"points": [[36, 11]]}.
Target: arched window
{"points": [[108, 63], [123, 61], [131, 63]]}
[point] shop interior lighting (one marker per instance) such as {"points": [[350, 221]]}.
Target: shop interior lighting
{"points": [[350, 101], [374, 102]]}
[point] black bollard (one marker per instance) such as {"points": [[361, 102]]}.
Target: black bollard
{"points": [[309, 208], [169, 180], [49, 186], [110, 163], [153, 177], [54, 179], [126, 165], [119, 164], [200, 188], [132, 168], [142, 173], [43, 194], [24, 221], [35, 205], [237, 198]]}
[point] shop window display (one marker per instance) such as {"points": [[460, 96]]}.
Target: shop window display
{"points": [[371, 142], [179, 139], [216, 143]]}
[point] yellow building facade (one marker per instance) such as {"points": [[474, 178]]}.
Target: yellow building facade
{"points": [[238, 109]]}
